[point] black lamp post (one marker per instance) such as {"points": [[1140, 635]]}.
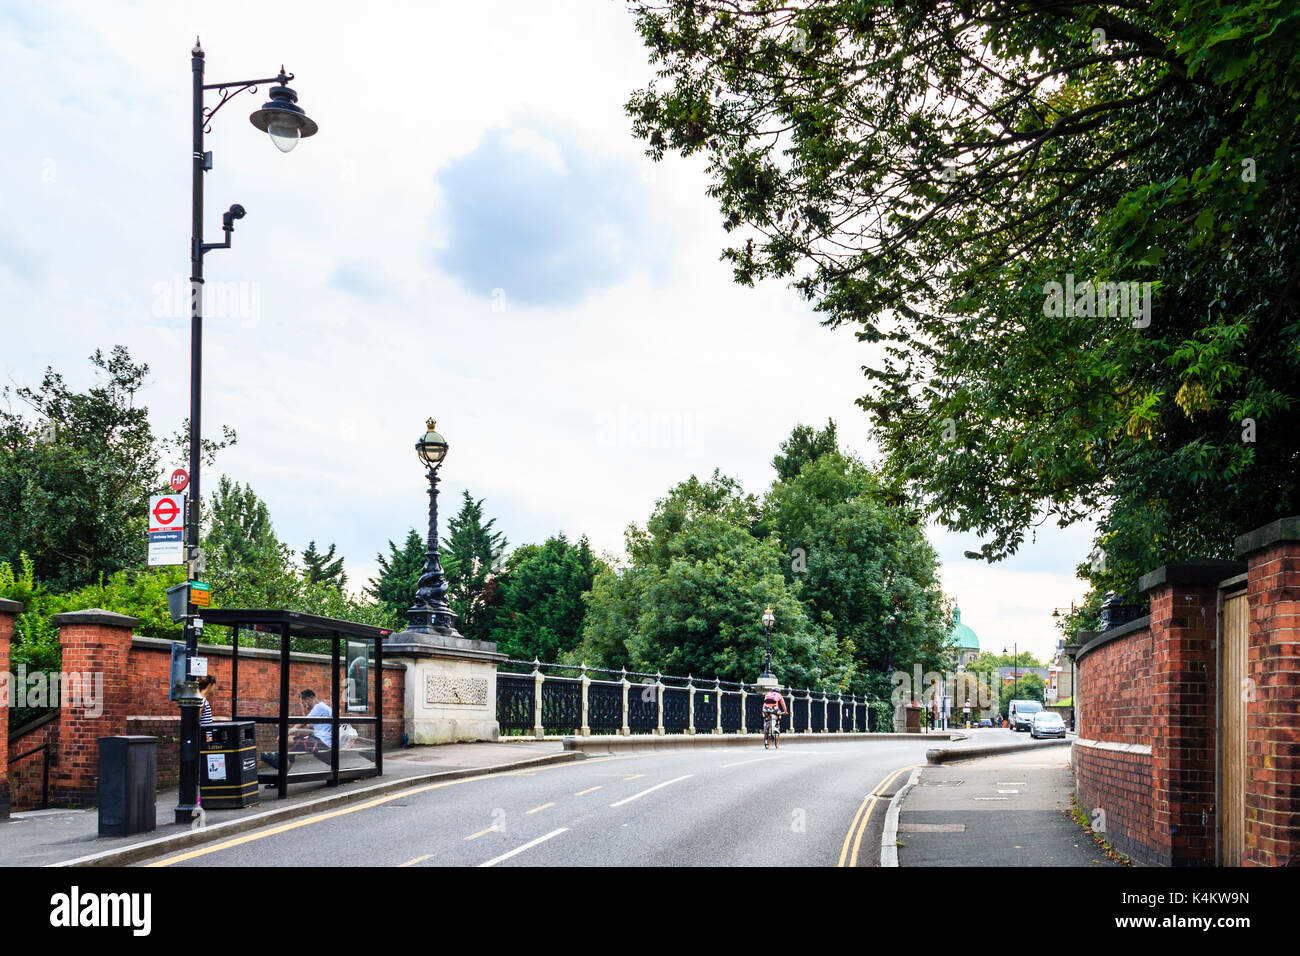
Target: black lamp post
{"points": [[286, 123], [1015, 670], [767, 678], [431, 614]]}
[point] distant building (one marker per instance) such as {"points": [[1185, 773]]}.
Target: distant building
{"points": [[964, 640]]}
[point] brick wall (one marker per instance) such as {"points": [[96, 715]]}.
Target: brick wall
{"points": [[1112, 758], [25, 777], [1117, 783], [8, 611], [1273, 717], [136, 700]]}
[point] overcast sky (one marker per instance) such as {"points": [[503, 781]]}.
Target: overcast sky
{"points": [[473, 235]]}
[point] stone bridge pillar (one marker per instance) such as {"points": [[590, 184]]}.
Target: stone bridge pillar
{"points": [[451, 686]]}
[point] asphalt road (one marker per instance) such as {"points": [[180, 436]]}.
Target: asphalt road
{"points": [[810, 804]]}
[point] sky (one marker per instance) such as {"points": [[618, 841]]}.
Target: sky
{"points": [[474, 235]]}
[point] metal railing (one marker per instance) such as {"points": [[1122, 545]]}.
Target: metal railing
{"points": [[581, 700]]}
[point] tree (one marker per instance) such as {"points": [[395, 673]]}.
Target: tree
{"points": [[804, 446], [399, 572], [75, 480], [470, 556], [539, 607], [863, 565], [939, 176], [247, 564], [324, 568], [692, 599], [1028, 687]]}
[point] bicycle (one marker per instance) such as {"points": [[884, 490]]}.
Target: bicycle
{"points": [[771, 728]]}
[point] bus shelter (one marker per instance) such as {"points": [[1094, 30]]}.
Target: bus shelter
{"points": [[310, 650]]}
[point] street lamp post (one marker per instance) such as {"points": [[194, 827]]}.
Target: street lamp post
{"points": [[431, 614], [286, 123], [767, 679]]}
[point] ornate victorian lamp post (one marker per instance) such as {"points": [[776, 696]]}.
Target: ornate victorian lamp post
{"points": [[766, 679], [286, 122], [450, 678], [431, 614]]}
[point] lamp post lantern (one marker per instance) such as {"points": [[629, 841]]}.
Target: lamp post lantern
{"points": [[767, 679], [431, 614], [286, 122]]}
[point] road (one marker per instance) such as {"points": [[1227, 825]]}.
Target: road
{"points": [[807, 804]]}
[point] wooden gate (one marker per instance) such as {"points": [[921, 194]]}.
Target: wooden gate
{"points": [[1234, 693]]}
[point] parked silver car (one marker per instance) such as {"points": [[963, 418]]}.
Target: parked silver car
{"points": [[1047, 723]]}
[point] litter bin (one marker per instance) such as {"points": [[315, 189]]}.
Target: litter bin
{"points": [[128, 785], [228, 765]]}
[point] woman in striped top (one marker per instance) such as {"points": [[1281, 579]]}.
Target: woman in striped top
{"points": [[207, 684]]}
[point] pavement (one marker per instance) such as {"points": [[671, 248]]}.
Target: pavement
{"points": [[54, 837], [1004, 810]]}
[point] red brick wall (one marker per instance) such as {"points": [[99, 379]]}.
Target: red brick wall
{"points": [[137, 680], [1114, 705], [93, 648], [1273, 717], [25, 777], [1118, 783], [259, 685], [7, 615], [1184, 634]]}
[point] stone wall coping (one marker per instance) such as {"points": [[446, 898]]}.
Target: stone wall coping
{"points": [[1144, 749], [1105, 637], [417, 644], [265, 653], [94, 615], [11, 607], [1207, 572], [1283, 529]]}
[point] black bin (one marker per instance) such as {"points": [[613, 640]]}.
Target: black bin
{"points": [[128, 785], [228, 765]]}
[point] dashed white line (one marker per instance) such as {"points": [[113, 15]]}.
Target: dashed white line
{"points": [[638, 796], [527, 846], [740, 763]]}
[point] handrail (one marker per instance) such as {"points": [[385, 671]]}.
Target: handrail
{"points": [[45, 771]]}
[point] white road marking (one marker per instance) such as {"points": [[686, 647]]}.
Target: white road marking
{"points": [[1008, 791], [638, 796], [755, 760], [527, 846]]}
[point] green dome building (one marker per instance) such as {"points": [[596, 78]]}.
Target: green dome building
{"points": [[964, 640]]}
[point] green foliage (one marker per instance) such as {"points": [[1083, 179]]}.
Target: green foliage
{"points": [[922, 172], [323, 567], [863, 566], [539, 607], [471, 555], [75, 479], [1028, 687], [692, 599], [804, 446], [399, 572]]}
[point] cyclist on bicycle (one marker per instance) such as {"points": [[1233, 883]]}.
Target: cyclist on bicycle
{"points": [[774, 707]]}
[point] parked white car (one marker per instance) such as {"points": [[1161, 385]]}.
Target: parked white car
{"points": [[1047, 723]]}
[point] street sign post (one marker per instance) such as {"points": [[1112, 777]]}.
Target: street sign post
{"points": [[166, 530]]}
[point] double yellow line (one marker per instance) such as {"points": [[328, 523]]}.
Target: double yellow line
{"points": [[860, 819]]}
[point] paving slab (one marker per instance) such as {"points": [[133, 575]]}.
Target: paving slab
{"points": [[1006, 810]]}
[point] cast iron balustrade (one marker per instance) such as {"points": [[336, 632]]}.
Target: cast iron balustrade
{"points": [[565, 699], [730, 712], [799, 714], [605, 707], [706, 709], [676, 714], [643, 708], [516, 694], [562, 704]]}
